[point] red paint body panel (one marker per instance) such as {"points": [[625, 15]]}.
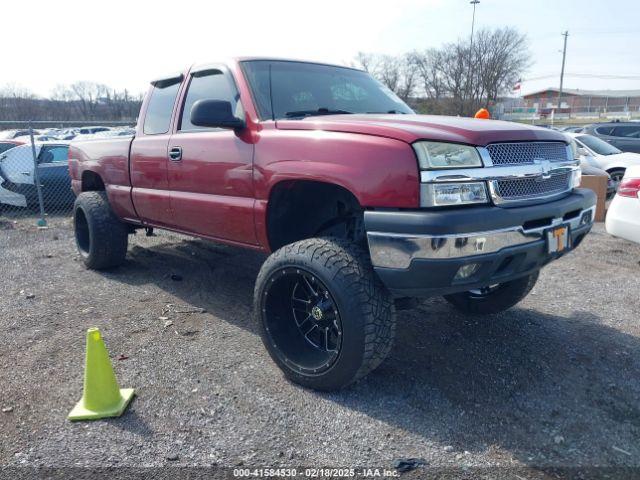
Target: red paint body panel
{"points": [[380, 172], [108, 158], [220, 189], [212, 186]]}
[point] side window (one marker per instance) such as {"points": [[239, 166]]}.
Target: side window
{"points": [[627, 132], [56, 154], [158, 117], [208, 85], [604, 130], [6, 146]]}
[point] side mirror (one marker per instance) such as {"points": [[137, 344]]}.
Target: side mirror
{"points": [[215, 113], [583, 151]]}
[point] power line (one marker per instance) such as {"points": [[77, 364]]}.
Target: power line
{"points": [[587, 75]]}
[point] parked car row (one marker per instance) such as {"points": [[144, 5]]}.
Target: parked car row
{"points": [[597, 153], [625, 136], [54, 134]]}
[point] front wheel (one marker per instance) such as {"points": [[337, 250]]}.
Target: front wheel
{"points": [[494, 298], [325, 317]]}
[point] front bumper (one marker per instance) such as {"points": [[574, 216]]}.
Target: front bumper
{"points": [[419, 253]]}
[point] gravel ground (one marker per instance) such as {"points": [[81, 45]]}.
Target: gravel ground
{"points": [[551, 383]]}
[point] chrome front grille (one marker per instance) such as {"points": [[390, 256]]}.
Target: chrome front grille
{"points": [[527, 152], [524, 188], [516, 173]]}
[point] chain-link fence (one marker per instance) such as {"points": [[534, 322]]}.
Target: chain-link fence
{"points": [[34, 170]]}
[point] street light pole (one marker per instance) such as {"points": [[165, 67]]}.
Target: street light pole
{"points": [[473, 18], [473, 23]]}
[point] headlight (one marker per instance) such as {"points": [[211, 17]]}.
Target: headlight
{"points": [[446, 155], [576, 178], [446, 194]]}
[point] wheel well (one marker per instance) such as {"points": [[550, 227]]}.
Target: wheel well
{"points": [[91, 182], [304, 209]]}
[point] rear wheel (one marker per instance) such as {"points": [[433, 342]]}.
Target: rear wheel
{"points": [[494, 298], [101, 237], [326, 319]]}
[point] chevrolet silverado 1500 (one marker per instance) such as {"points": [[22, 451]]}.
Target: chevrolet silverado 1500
{"points": [[361, 203]]}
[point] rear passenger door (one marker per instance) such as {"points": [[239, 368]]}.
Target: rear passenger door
{"points": [[210, 169], [149, 154]]}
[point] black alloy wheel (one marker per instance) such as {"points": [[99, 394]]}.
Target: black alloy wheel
{"points": [[302, 321]]}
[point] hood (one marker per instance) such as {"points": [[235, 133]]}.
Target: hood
{"points": [[410, 128]]}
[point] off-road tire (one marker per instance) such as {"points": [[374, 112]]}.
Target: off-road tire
{"points": [[505, 296], [100, 236], [365, 306]]}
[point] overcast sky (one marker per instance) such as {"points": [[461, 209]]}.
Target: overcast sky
{"points": [[127, 43]]}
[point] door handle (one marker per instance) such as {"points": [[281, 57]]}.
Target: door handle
{"points": [[175, 154]]}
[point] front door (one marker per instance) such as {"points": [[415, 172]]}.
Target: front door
{"points": [[210, 169], [53, 172]]}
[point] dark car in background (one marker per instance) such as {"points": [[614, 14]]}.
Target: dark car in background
{"points": [[623, 135]]}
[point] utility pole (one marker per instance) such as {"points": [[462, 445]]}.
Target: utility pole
{"points": [[564, 56], [473, 22]]}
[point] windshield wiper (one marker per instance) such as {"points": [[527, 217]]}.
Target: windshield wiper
{"points": [[319, 111], [391, 111]]}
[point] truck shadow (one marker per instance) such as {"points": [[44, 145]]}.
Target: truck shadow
{"points": [[550, 390]]}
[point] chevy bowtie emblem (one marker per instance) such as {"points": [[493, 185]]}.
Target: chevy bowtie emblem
{"points": [[545, 168]]}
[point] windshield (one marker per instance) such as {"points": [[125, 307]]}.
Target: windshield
{"points": [[599, 146], [300, 89]]}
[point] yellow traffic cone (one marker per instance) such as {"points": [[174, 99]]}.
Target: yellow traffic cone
{"points": [[101, 397]]}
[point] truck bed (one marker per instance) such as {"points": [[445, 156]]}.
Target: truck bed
{"points": [[109, 158]]}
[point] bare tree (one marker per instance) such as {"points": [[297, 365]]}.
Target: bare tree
{"points": [[19, 102], [501, 58], [366, 61], [428, 67], [88, 94], [396, 73], [78, 102], [452, 79]]}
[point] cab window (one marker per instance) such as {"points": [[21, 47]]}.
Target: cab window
{"points": [[627, 131], [158, 117], [604, 130]]}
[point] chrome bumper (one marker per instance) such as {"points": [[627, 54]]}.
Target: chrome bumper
{"points": [[391, 250]]}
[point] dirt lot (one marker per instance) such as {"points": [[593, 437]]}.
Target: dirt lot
{"points": [[553, 382]]}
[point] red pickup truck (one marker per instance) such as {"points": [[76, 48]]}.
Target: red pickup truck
{"points": [[362, 203]]}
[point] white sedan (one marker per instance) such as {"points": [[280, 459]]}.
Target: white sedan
{"points": [[605, 156], [623, 216]]}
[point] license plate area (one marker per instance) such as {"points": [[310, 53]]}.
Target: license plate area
{"points": [[558, 239]]}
